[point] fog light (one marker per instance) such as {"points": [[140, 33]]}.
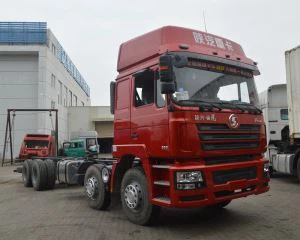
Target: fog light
{"points": [[186, 186]]}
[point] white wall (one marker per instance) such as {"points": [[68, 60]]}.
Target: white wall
{"points": [[25, 82], [18, 89], [62, 76]]}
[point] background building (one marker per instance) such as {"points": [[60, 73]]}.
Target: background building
{"points": [[97, 118], [36, 72]]}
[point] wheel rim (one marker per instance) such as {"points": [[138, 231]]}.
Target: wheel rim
{"points": [[91, 187], [133, 195]]}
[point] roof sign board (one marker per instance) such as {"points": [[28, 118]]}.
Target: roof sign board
{"points": [[23, 32], [16, 33], [170, 39]]}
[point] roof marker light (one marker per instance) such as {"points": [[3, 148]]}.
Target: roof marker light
{"points": [[183, 46]]}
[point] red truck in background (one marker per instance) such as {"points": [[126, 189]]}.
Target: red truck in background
{"points": [[37, 145], [187, 130]]}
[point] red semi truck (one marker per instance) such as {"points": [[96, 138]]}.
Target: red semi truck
{"points": [[187, 130]]}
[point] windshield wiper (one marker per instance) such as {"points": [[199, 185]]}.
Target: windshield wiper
{"points": [[230, 105], [252, 107], [201, 103]]}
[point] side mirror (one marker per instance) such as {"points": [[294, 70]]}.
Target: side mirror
{"points": [[93, 148], [167, 87], [166, 75], [112, 97], [180, 61], [166, 68]]}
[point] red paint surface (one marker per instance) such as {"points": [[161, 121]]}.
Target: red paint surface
{"points": [[49, 151]]}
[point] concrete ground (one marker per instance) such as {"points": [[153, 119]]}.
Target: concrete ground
{"points": [[63, 214]]}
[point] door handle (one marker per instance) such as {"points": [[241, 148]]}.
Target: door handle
{"points": [[134, 135]]}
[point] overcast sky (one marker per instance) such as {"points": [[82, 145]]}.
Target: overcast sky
{"points": [[92, 30]]}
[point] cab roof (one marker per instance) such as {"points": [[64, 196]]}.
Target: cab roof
{"points": [[171, 38]]}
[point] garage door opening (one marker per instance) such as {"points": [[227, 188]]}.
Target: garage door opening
{"points": [[105, 144]]}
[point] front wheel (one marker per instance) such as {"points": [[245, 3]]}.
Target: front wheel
{"points": [[135, 198], [97, 192]]}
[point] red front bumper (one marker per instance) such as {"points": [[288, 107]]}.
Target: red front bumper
{"points": [[212, 192]]}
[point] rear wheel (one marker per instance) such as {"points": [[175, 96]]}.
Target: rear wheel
{"points": [[298, 169], [26, 173], [135, 198], [39, 175], [220, 205], [51, 176], [97, 192]]}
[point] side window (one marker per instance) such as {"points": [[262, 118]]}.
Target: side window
{"points": [[122, 92], [91, 142], [284, 114], [160, 98], [144, 89]]}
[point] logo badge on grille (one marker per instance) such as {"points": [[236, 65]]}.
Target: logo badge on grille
{"points": [[233, 121]]}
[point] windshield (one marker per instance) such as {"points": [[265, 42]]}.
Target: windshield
{"points": [[213, 87], [36, 144]]}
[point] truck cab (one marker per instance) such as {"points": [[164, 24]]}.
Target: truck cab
{"points": [[186, 109], [273, 103], [80, 148], [37, 145]]}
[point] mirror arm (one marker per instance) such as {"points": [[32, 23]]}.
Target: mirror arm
{"points": [[170, 104]]}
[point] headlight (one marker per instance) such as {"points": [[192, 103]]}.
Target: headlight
{"points": [[105, 175], [266, 170], [189, 180], [266, 167], [189, 177]]}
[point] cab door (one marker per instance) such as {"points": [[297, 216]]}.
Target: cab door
{"points": [[80, 150], [149, 115]]}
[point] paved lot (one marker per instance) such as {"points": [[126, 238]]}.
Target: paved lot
{"points": [[64, 214]]}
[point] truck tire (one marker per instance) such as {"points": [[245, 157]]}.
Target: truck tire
{"points": [[97, 192], [298, 169], [220, 205], [51, 174], [135, 198], [39, 175], [26, 173]]}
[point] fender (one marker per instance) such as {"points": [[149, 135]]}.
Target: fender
{"points": [[137, 151]]}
